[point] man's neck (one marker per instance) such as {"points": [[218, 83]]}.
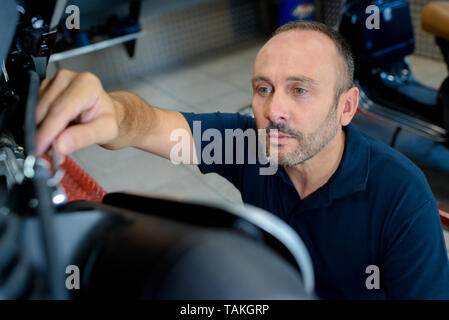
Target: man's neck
{"points": [[309, 176]]}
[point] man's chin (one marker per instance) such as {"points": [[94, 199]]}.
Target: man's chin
{"points": [[279, 154]]}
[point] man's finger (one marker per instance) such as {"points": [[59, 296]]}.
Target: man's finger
{"points": [[75, 99], [44, 84], [82, 135], [49, 91]]}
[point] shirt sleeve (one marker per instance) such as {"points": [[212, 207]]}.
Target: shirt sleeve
{"points": [[212, 143], [416, 262]]}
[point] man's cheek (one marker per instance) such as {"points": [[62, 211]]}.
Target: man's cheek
{"points": [[261, 122]]}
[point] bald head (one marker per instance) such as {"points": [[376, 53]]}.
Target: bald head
{"points": [[337, 44]]}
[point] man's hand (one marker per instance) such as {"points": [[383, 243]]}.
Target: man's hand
{"points": [[74, 111]]}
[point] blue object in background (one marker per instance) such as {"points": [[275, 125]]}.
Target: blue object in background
{"points": [[290, 10], [81, 39]]}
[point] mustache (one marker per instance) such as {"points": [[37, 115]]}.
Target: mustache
{"points": [[282, 128]]}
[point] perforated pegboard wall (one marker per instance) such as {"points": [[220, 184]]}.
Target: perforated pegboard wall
{"points": [[425, 43], [170, 37], [331, 11]]}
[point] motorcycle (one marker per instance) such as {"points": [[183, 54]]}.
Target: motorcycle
{"points": [[393, 101], [126, 246]]}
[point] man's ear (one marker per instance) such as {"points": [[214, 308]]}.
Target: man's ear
{"points": [[350, 103]]}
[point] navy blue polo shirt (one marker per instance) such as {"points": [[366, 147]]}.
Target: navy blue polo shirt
{"points": [[376, 210]]}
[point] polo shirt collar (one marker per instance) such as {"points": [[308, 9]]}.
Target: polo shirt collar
{"points": [[351, 175], [353, 171]]}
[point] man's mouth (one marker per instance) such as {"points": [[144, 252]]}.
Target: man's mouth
{"points": [[279, 137]]}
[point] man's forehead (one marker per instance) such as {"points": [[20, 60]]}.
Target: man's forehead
{"points": [[305, 40], [303, 50]]}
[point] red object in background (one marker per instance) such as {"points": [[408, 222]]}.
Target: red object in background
{"points": [[365, 114], [444, 215], [77, 183]]}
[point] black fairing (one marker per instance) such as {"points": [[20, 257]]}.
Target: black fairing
{"points": [[8, 20], [380, 55]]}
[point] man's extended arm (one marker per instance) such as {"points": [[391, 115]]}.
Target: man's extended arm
{"points": [[75, 111]]}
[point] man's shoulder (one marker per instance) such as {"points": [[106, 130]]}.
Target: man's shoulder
{"points": [[383, 157], [390, 169]]}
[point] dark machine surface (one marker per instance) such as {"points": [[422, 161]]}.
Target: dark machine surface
{"points": [[128, 247]]}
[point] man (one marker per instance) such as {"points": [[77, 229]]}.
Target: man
{"points": [[365, 212]]}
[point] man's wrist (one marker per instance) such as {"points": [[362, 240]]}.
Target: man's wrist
{"points": [[119, 110]]}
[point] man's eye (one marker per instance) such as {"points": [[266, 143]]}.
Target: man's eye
{"points": [[264, 90], [300, 91]]}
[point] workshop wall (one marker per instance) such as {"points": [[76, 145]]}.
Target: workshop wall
{"points": [[425, 43], [176, 31], [173, 34]]}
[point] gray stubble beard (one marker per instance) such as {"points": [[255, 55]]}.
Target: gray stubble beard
{"points": [[309, 145]]}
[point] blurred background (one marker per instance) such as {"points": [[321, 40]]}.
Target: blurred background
{"points": [[197, 56]]}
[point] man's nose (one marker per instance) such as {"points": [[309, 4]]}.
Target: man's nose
{"points": [[276, 108]]}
